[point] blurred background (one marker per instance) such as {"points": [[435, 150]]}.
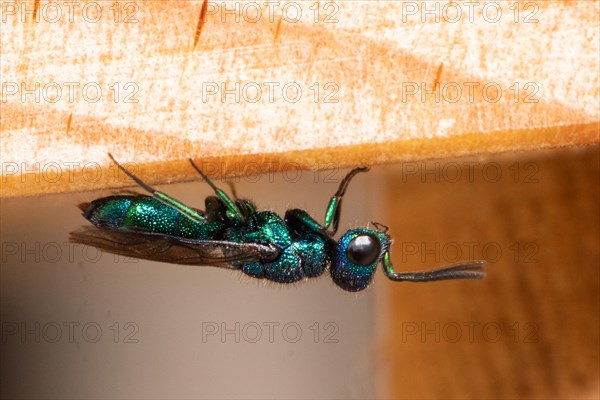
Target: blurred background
{"points": [[80, 324]]}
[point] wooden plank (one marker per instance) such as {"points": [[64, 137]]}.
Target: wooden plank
{"points": [[346, 83]]}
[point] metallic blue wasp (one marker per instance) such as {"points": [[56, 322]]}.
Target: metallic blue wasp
{"points": [[232, 233]]}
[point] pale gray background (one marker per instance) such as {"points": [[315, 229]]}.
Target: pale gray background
{"points": [[169, 304]]}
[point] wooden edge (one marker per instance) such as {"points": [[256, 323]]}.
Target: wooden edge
{"points": [[18, 180]]}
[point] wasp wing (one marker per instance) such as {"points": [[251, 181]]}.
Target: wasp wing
{"points": [[170, 249]]}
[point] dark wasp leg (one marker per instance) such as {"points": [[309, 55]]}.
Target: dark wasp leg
{"points": [[189, 212], [246, 206], [234, 211], [300, 222], [232, 188], [332, 215]]}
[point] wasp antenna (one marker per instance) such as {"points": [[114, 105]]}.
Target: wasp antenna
{"points": [[462, 270], [380, 227]]}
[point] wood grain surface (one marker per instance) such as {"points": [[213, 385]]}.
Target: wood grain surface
{"points": [[531, 329], [287, 85]]}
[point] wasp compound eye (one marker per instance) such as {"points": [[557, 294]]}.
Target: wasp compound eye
{"points": [[356, 257], [363, 249]]}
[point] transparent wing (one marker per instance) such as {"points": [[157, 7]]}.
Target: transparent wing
{"points": [[172, 249]]}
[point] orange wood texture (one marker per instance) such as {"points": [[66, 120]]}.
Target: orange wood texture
{"points": [[531, 329], [366, 82]]}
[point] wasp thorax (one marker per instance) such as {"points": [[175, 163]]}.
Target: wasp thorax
{"points": [[363, 249]]}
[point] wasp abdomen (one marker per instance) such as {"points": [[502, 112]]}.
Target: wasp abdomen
{"points": [[146, 214]]}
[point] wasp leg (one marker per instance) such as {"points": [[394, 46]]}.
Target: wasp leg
{"points": [[233, 210], [189, 212], [232, 188], [301, 222], [332, 215]]}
